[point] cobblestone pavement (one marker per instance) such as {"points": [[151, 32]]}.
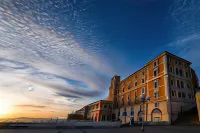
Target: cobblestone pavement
{"points": [[153, 129]]}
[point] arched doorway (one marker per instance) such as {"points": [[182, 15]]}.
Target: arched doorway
{"points": [[156, 115]]}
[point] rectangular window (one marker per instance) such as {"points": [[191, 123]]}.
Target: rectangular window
{"points": [[143, 80], [187, 74], [170, 59], [156, 83], [188, 86], [179, 94], [135, 76], [181, 72], [172, 82], [135, 83], [178, 84], [97, 106], [155, 72], [155, 64], [177, 71], [143, 90], [123, 89], [156, 94], [176, 62], [182, 84], [129, 87], [156, 104], [143, 73], [135, 94], [171, 69], [183, 95], [189, 96]]}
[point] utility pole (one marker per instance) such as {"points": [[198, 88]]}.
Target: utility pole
{"points": [[143, 99]]}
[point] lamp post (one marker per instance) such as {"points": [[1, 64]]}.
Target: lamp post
{"points": [[143, 99]]}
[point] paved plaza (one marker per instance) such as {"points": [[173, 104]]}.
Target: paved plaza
{"points": [[148, 129]]}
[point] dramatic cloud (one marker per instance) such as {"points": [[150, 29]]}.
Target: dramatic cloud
{"points": [[43, 53]]}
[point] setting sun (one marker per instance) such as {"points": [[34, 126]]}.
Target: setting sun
{"points": [[4, 108]]}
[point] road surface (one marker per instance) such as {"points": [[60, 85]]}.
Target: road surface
{"points": [[152, 129]]}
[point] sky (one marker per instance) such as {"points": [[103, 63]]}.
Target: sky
{"points": [[58, 55]]}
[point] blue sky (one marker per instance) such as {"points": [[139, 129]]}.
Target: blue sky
{"points": [[56, 56]]}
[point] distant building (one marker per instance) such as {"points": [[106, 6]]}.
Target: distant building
{"points": [[75, 117], [100, 111], [83, 111], [167, 79]]}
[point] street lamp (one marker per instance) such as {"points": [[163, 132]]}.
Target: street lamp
{"points": [[143, 99]]}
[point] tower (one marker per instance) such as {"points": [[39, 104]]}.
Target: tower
{"points": [[113, 88]]}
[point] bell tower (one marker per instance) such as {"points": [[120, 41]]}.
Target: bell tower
{"points": [[113, 88]]}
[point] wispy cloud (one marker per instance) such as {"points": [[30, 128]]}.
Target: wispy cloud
{"points": [[39, 48], [30, 106], [185, 15]]}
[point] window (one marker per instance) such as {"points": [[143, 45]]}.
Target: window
{"points": [[143, 73], [170, 59], [136, 83], [182, 84], [178, 84], [155, 72], [135, 76], [171, 69], [103, 118], [135, 94], [187, 74], [155, 64], [179, 94], [183, 95], [181, 72], [123, 89], [129, 86], [143, 90], [105, 106], [176, 71], [188, 86], [156, 94], [179, 63], [185, 65], [189, 96], [156, 104], [143, 80], [172, 82], [97, 105], [176, 62], [172, 93], [156, 83]]}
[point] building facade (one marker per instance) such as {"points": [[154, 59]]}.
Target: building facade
{"points": [[167, 79], [100, 111]]}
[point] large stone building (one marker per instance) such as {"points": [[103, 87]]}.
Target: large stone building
{"points": [[167, 79]]}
